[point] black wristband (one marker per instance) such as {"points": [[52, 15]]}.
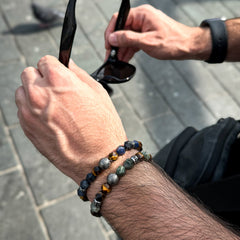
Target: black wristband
{"points": [[219, 39]]}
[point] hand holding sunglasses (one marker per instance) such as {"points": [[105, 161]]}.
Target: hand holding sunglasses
{"points": [[113, 70]]}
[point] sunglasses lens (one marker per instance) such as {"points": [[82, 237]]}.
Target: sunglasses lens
{"points": [[116, 72]]}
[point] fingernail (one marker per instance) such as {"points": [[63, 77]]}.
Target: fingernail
{"points": [[113, 39]]}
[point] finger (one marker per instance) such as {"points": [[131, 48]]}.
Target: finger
{"points": [[128, 25], [20, 97], [30, 76], [49, 64], [126, 39]]}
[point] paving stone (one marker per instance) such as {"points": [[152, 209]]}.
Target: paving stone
{"points": [[180, 97], [36, 46], [110, 9], [143, 96], [195, 11], [10, 81], [171, 8], [208, 88], [211, 6], [47, 183], [233, 6], [7, 158], [33, 40], [8, 47], [228, 75], [164, 128], [71, 219], [18, 217], [134, 128], [95, 26]]}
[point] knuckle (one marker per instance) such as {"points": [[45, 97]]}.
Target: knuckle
{"points": [[125, 38], [44, 61], [26, 71], [52, 73], [45, 58], [54, 76], [146, 7]]}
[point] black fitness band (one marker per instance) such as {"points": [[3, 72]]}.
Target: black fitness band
{"points": [[219, 39]]}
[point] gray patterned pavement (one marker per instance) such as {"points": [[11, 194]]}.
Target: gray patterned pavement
{"points": [[36, 200]]}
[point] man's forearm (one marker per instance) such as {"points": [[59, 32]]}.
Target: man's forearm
{"points": [[201, 42], [147, 205], [233, 29]]}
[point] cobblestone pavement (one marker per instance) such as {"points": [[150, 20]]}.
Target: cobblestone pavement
{"points": [[36, 200]]}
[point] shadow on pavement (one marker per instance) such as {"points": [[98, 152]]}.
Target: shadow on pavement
{"points": [[30, 28]]}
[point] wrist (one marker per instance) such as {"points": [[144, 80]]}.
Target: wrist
{"points": [[90, 159], [96, 185], [201, 44]]}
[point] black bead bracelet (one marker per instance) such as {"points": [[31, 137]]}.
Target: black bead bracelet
{"points": [[104, 164]]}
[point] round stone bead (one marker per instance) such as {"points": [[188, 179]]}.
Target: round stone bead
{"points": [[106, 188], [112, 179], [113, 156], [137, 145], [121, 171], [147, 156], [104, 163], [99, 197], [90, 177], [82, 194], [96, 171], [120, 150], [97, 203], [128, 164], [134, 159], [129, 145], [84, 184], [95, 210], [140, 156]]}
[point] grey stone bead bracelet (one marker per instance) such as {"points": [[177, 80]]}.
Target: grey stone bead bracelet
{"points": [[114, 178]]}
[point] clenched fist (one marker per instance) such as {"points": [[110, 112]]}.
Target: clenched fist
{"points": [[68, 116]]}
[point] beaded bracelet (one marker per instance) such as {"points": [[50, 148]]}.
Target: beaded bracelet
{"points": [[104, 164], [113, 179]]}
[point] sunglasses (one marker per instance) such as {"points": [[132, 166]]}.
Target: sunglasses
{"points": [[113, 70]]}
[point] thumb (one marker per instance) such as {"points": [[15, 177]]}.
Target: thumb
{"points": [[125, 39]]}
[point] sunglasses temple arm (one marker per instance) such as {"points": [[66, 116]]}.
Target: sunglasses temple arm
{"points": [[122, 17], [68, 33]]}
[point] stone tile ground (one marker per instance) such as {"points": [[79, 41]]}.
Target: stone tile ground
{"points": [[36, 200]]}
